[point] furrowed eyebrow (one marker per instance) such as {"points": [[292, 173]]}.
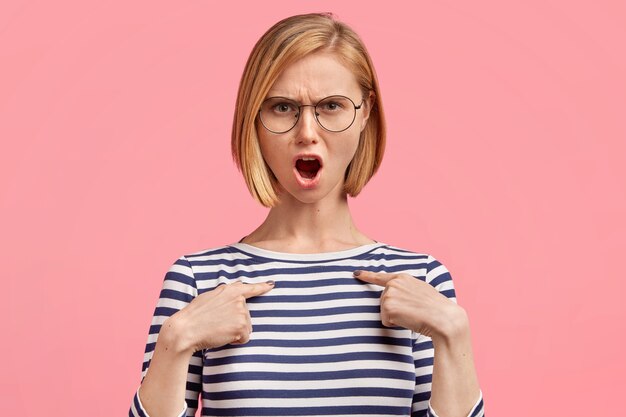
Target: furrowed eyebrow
{"points": [[285, 97], [316, 100]]}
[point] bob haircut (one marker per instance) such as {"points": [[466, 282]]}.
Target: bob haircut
{"points": [[284, 43]]}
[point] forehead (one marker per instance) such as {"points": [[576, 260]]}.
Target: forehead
{"points": [[314, 77]]}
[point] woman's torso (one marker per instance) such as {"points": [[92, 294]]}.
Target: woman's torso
{"points": [[318, 345]]}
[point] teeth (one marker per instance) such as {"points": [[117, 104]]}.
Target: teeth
{"points": [[308, 159]]}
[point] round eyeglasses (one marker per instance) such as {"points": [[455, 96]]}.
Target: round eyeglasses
{"points": [[333, 113]]}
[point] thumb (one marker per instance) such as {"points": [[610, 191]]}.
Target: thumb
{"points": [[252, 290], [378, 278]]}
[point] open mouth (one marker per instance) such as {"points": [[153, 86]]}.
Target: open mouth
{"points": [[308, 167]]}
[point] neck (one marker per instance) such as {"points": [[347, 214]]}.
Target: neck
{"points": [[323, 226]]}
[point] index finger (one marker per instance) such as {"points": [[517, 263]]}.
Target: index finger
{"points": [[252, 290], [378, 278]]}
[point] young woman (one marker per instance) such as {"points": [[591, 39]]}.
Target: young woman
{"points": [[306, 315]]}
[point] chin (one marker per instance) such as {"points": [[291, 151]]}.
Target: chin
{"points": [[309, 196]]}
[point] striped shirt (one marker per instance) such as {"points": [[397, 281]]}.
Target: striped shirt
{"points": [[318, 347]]}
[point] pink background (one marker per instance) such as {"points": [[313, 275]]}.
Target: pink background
{"points": [[505, 160]]}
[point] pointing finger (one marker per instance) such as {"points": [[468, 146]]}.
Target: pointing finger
{"points": [[378, 278], [252, 290]]}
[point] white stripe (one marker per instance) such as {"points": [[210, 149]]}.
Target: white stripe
{"points": [[301, 385], [314, 305], [304, 351], [329, 334], [181, 269], [171, 303], [289, 368], [435, 272], [170, 284], [334, 318], [424, 353], [348, 287], [424, 370], [420, 405], [304, 402]]}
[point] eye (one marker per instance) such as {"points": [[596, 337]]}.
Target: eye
{"points": [[283, 107], [332, 106]]}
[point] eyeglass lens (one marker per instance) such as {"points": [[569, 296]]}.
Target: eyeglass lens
{"points": [[334, 113]]}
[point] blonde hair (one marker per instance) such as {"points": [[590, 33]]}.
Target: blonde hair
{"points": [[284, 43]]}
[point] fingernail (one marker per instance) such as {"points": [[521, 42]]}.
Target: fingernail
{"points": [[270, 282], [357, 272]]}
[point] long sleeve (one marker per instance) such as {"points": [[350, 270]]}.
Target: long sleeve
{"points": [[424, 353], [179, 288]]}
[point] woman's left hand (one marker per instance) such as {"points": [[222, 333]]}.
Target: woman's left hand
{"points": [[415, 305]]}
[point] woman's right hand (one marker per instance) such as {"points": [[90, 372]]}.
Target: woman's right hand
{"points": [[217, 317]]}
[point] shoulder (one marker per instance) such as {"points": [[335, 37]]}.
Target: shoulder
{"points": [[213, 266], [210, 258], [425, 266], [209, 254], [429, 261], [397, 252], [186, 264]]}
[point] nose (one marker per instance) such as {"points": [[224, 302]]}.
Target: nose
{"points": [[307, 125]]}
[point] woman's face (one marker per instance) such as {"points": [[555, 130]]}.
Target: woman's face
{"points": [[307, 81]]}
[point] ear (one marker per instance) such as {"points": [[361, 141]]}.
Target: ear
{"points": [[367, 107]]}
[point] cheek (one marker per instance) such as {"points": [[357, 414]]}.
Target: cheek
{"points": [[265, 144], [343, 155], [266, 154], [272, 155], [350, 145]]}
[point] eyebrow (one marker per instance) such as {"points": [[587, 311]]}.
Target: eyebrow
{"points": [[292, 98], [316, 99]]}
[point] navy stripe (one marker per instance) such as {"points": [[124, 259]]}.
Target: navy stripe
{"points": [[164, 311], [342, 325], [319, 312], [137, 407], [337, 341], [308, 376], [276, 299], [310, 393], [308, 411], [440, 279], [449, 293], [421, 396], [424, 379], [423, 345], [193, 386], [433, 264], [195, 369], [331, 282], [193, 404], [478, 409], [178, 277], [176, 295], [339, 357], [420, 363]]}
